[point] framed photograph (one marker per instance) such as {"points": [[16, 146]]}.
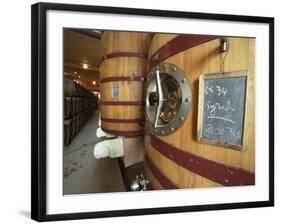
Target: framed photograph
{"points": [[139, 111]]}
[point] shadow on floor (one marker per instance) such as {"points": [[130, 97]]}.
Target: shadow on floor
{"points": [[82, 172]]}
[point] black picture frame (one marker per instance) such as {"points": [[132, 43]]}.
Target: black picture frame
{"points": [[39, 122]]}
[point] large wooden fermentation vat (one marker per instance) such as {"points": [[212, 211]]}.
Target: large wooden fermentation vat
{"points": [[122, 76], [178, 159]]}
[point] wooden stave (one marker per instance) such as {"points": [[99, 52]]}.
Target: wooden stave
{"points": [[132, 42]]}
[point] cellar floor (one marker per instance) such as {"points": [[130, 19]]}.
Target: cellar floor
{"points": [[82, 172]]}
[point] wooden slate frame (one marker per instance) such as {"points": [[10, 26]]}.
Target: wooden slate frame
{"points": [[202, 79]]}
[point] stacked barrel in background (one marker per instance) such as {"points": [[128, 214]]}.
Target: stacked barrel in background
{"points": [[178, 160], [79, 104], [122, 76]]}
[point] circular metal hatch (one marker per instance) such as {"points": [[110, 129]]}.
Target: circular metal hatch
{"points": [[168, 98]]}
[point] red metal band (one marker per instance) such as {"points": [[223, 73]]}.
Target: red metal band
{"points": [[122, 103], [123, 78], [127, 121], [125, 54], [219, 173], [164, 181], [176, 45], [124, 133]]}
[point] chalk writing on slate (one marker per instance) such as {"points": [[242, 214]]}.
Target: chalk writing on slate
{"points": [[224, 109]]}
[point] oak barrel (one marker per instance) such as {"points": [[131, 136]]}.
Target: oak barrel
{"points": [[79, 104], [122, 78], [179, 160]]}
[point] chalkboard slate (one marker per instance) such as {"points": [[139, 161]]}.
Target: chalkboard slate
{"points": [[224, 109]]}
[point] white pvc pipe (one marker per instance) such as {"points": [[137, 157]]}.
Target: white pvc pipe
{"points": [[100, 133], [109, 148]]}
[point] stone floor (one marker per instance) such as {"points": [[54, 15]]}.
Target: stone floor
{"points": [[82, 172]]}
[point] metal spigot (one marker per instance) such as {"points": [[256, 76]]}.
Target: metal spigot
{"points": [[140, 183]]}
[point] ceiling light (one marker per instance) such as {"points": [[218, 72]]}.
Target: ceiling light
{"points": [[85, 66]]}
